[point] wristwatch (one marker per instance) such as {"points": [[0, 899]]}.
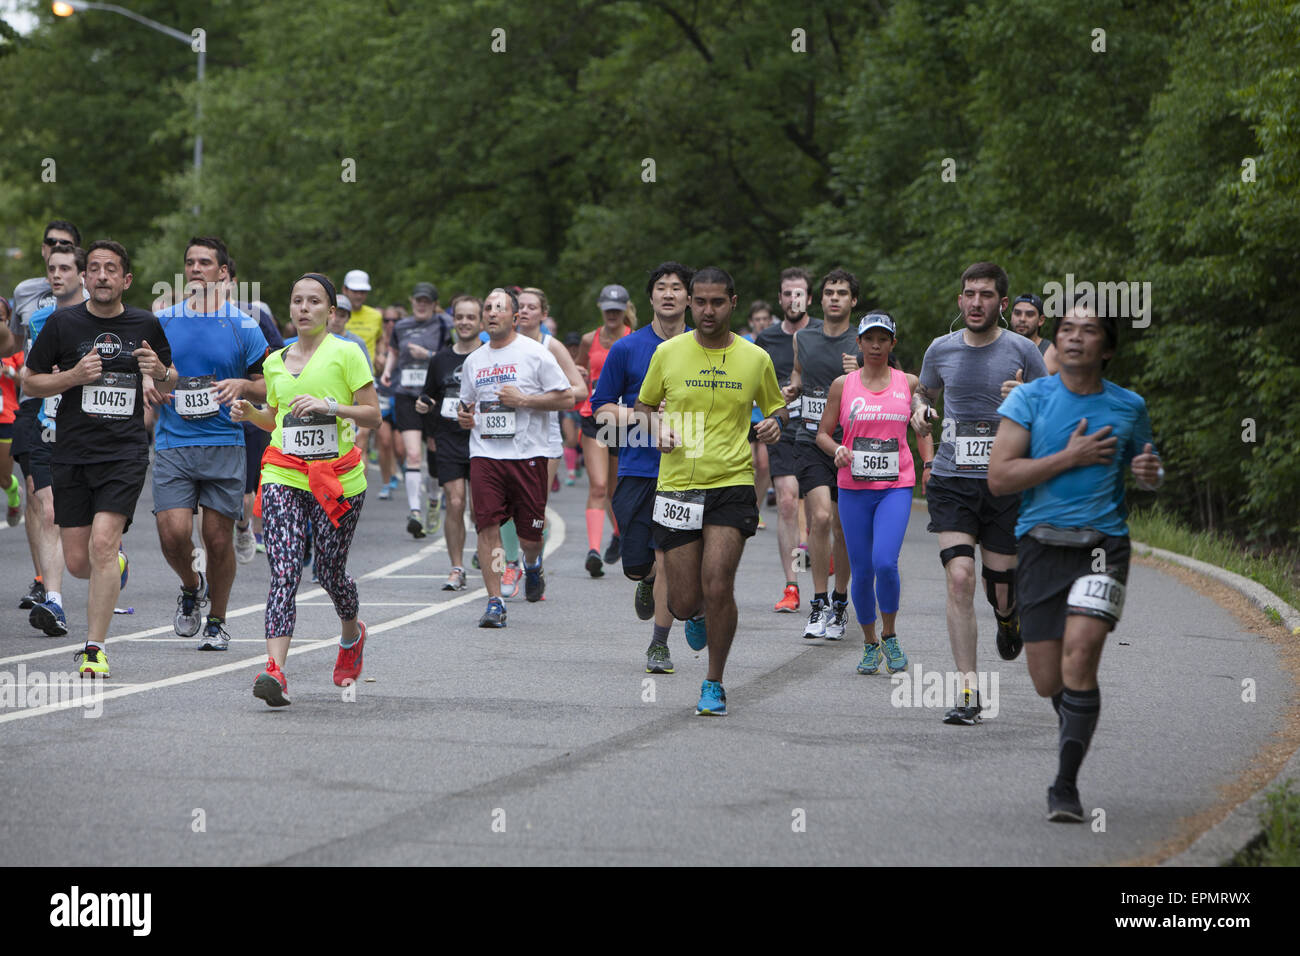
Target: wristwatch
{"points": [[926, 464], [331, 406], [167, 376]]}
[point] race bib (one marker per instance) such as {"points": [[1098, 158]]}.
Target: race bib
{"points": [[111, 396], [814, 403], [313, 437], [450, 407], [1097, 595], [680, 510], [496, 420], [972, 444], [874, 459], [413, 376], [50, 407], [196, 397]]}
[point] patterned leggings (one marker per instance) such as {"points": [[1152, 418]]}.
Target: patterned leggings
{"points": [[285, 513]]}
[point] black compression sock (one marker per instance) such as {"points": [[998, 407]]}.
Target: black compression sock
{"points": [[1056, 704], [820, 596], [839, 597], [1079, 712]]}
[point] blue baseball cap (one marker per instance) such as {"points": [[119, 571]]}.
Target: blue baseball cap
{"points": [[877, 320]]}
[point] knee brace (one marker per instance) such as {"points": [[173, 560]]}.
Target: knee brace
{"points": [[957, 551], [992, 579], [639, 572]]}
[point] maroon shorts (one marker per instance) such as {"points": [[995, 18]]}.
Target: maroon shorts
{"points": [[502, 490]]}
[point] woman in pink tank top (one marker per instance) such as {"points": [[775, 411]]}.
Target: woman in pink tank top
{"points": [[864, 427]]}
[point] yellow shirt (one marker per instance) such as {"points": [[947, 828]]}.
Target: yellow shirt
{"points": [[709, 394], [367, 323], [336, 370]]}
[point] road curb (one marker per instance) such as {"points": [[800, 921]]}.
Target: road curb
{"points": [[1219, 844]]}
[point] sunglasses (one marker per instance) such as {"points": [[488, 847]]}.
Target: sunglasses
{"points": [[52, 243]]}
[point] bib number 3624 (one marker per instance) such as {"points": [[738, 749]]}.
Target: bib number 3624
{"points": [[680, 510], [313, 437]]}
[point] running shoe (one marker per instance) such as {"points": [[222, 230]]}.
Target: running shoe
{"points": [[432, 517], [385, 493], [455, 580], [871, 658], [594, 566], [789, 602], [495, 615], [966, 713], [838, 619], [13, 492], [771, 497], [245, 544], [35, 595], [347, 668], [510, 579], [93, 662], [570, 479], [1063, 804], [473, 560], [614, 550], [215, 637], [124, 566], [1009, 639], [713, 700], [697, 635], [762, 525], [817, 618], [895, 659], [189, 608], [392, 484], [657, 660], [272, 686], [261, 545], [414, 526], [48, 617], [534, 582], [644, 601]]}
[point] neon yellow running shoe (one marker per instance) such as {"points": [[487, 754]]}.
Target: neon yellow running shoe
{"points": [[94, 663]]}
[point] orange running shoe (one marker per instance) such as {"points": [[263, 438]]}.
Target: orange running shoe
{"points": [[789, 602], [347, 668]]}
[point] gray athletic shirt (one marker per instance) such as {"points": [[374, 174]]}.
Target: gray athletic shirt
{"points": [[779, 345], [971, 379], [821, 362]]}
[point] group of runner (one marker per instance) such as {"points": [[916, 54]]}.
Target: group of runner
{"points": [[672, 422]]}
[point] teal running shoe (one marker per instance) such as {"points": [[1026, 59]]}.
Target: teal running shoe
{"points": [[871, 659], [697, 636], [895, 659], [713, 700]]}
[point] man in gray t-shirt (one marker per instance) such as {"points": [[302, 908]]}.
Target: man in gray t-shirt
{"points": [[974, 368]]}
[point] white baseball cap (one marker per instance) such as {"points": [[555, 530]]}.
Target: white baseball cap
{"points": [[357, 281]]}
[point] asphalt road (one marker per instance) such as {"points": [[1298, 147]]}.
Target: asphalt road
{"points": [[544, 744]]}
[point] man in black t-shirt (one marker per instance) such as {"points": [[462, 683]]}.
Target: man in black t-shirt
{"points": [[438, 401], [102, 349]]}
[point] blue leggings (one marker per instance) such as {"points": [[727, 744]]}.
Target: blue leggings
{"points": [[874, 523]]}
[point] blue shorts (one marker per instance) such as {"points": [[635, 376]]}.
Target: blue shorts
{"points": [[634, 505]]}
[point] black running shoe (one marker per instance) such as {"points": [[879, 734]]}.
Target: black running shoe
{"points": [[35, 596], [1063, 804], [534, 582], [594, 567], [495, 615], [614, 550], [1009, 640], [967, 712], [644, 602]]}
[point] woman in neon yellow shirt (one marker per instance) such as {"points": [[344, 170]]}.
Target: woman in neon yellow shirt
{"points": [[318, 391]]}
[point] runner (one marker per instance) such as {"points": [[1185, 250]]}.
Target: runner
{"points": [[441, 396], [704, 502], [601, 459], [317, 390], [1064, 441], [1027, 319], [534, 310], [760, 317], [820, 356], [199, 455], [413, 342], [777, 340], [505, 392], [634, 499], [103, 349], [971, 367], [248, 531], [875, 476], [33, 449], [365, 322], [386, 437], [9, 368]]}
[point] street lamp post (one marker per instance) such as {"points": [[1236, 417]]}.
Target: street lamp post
{"points": [[66, 8]]}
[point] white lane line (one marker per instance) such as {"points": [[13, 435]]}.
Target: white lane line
{"points": [[314, 592], [556, 541]]}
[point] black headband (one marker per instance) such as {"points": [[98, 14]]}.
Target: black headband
{"points": [[325, 283]]}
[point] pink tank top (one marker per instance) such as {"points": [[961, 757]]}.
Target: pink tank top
{"points": [[875, 433]]}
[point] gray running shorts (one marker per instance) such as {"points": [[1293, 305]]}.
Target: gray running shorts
{"points": [[207, 475]]}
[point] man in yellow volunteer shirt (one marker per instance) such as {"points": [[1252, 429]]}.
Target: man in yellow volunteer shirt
{"points": [[366, 322], [706, 383]]}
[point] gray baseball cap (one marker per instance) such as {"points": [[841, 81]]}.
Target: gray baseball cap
{"points": [[426, 289], [344, 304], [613, 297]]}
